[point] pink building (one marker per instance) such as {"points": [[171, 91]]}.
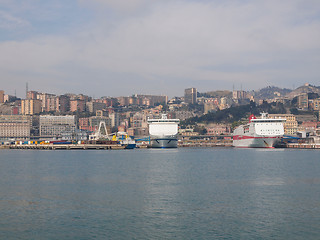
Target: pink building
{"points": [[77, 105], [218, 129], [51, 105]]}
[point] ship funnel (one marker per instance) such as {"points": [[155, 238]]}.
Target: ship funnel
{"points": [[251, 117]]}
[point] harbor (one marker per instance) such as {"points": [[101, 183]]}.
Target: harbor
{"points": [[181, 144]]}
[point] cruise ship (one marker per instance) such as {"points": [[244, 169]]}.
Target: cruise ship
{"points": [[261, 132], [163, 132]]}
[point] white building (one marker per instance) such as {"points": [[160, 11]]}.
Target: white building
{"points": [[15, 127], [54, 126]]}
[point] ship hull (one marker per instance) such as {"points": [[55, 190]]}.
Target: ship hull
{"points": [[164, 143], [129, 146], [256, 142]]}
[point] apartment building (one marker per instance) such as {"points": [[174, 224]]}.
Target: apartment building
{"points": [[291, 124], [30, 106], [190, 95]]}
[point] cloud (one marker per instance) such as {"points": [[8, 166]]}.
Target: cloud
{"points": [[9, 22], [180, 39], [206, 44], [120, 6]]}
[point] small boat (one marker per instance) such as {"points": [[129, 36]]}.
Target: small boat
{"points": [[125, 140]]}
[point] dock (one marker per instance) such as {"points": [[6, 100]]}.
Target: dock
{"points": [[221, 143], [303, 145], [65, 146]]}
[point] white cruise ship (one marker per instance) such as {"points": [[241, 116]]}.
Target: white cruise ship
{"points": [[163, 132], [263, 132]]}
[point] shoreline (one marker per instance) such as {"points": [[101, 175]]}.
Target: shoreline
{"points": [[315, 146]]}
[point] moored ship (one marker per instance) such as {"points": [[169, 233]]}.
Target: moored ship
{"points": [[163, 132], [261, 132]]}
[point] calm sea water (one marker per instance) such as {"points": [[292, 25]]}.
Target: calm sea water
{"points": [[185, 193]]}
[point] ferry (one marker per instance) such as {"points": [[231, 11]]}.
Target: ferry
{"points": [[163, 132], [263, 132]]}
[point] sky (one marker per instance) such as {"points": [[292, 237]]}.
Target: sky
{"points": [[119, 48]]}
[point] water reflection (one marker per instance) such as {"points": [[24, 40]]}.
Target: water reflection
{"points": [[160, 194]]}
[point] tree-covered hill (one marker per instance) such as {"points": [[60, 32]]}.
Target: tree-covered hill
{"points": [[270, 92], [237, 113], [216, 94]]}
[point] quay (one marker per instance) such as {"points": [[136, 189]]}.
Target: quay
{"points": [[205, 143], [119, 146], [303, 145], [65, 146]]}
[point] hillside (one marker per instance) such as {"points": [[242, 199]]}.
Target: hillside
{"points": [[237, 113], [216, 94], [307, 88], [271, 92]]}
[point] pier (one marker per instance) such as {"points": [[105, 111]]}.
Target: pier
{"points": [[65, 146], [303, 145]]}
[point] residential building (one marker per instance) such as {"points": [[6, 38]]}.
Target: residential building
{"points": [[316, 104], [139, 120], [309, 126], [218, 129], [142, 100], [63, 104], [102, 113], [43, 97], [77, 105], [9, 98], [83, 123], [190, 95], [291, 124], [30, 106], [151, 100], [106, 100], [51, 105], [225, 103], [95, 121], [115, 119], [138, 132], [94, 106], [303, 101], [1, 96], [32, 95], [15, 127]]}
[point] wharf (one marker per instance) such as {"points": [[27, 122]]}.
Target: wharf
{"points": [[205, 144], [303, 145], [65, 146]]}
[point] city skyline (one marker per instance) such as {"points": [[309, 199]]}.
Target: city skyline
{"points": [[111, 48]]}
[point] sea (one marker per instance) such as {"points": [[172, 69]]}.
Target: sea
{"points": [[183, 193]]}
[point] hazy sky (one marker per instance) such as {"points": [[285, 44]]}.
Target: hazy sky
{"points": [[121, 47]]}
